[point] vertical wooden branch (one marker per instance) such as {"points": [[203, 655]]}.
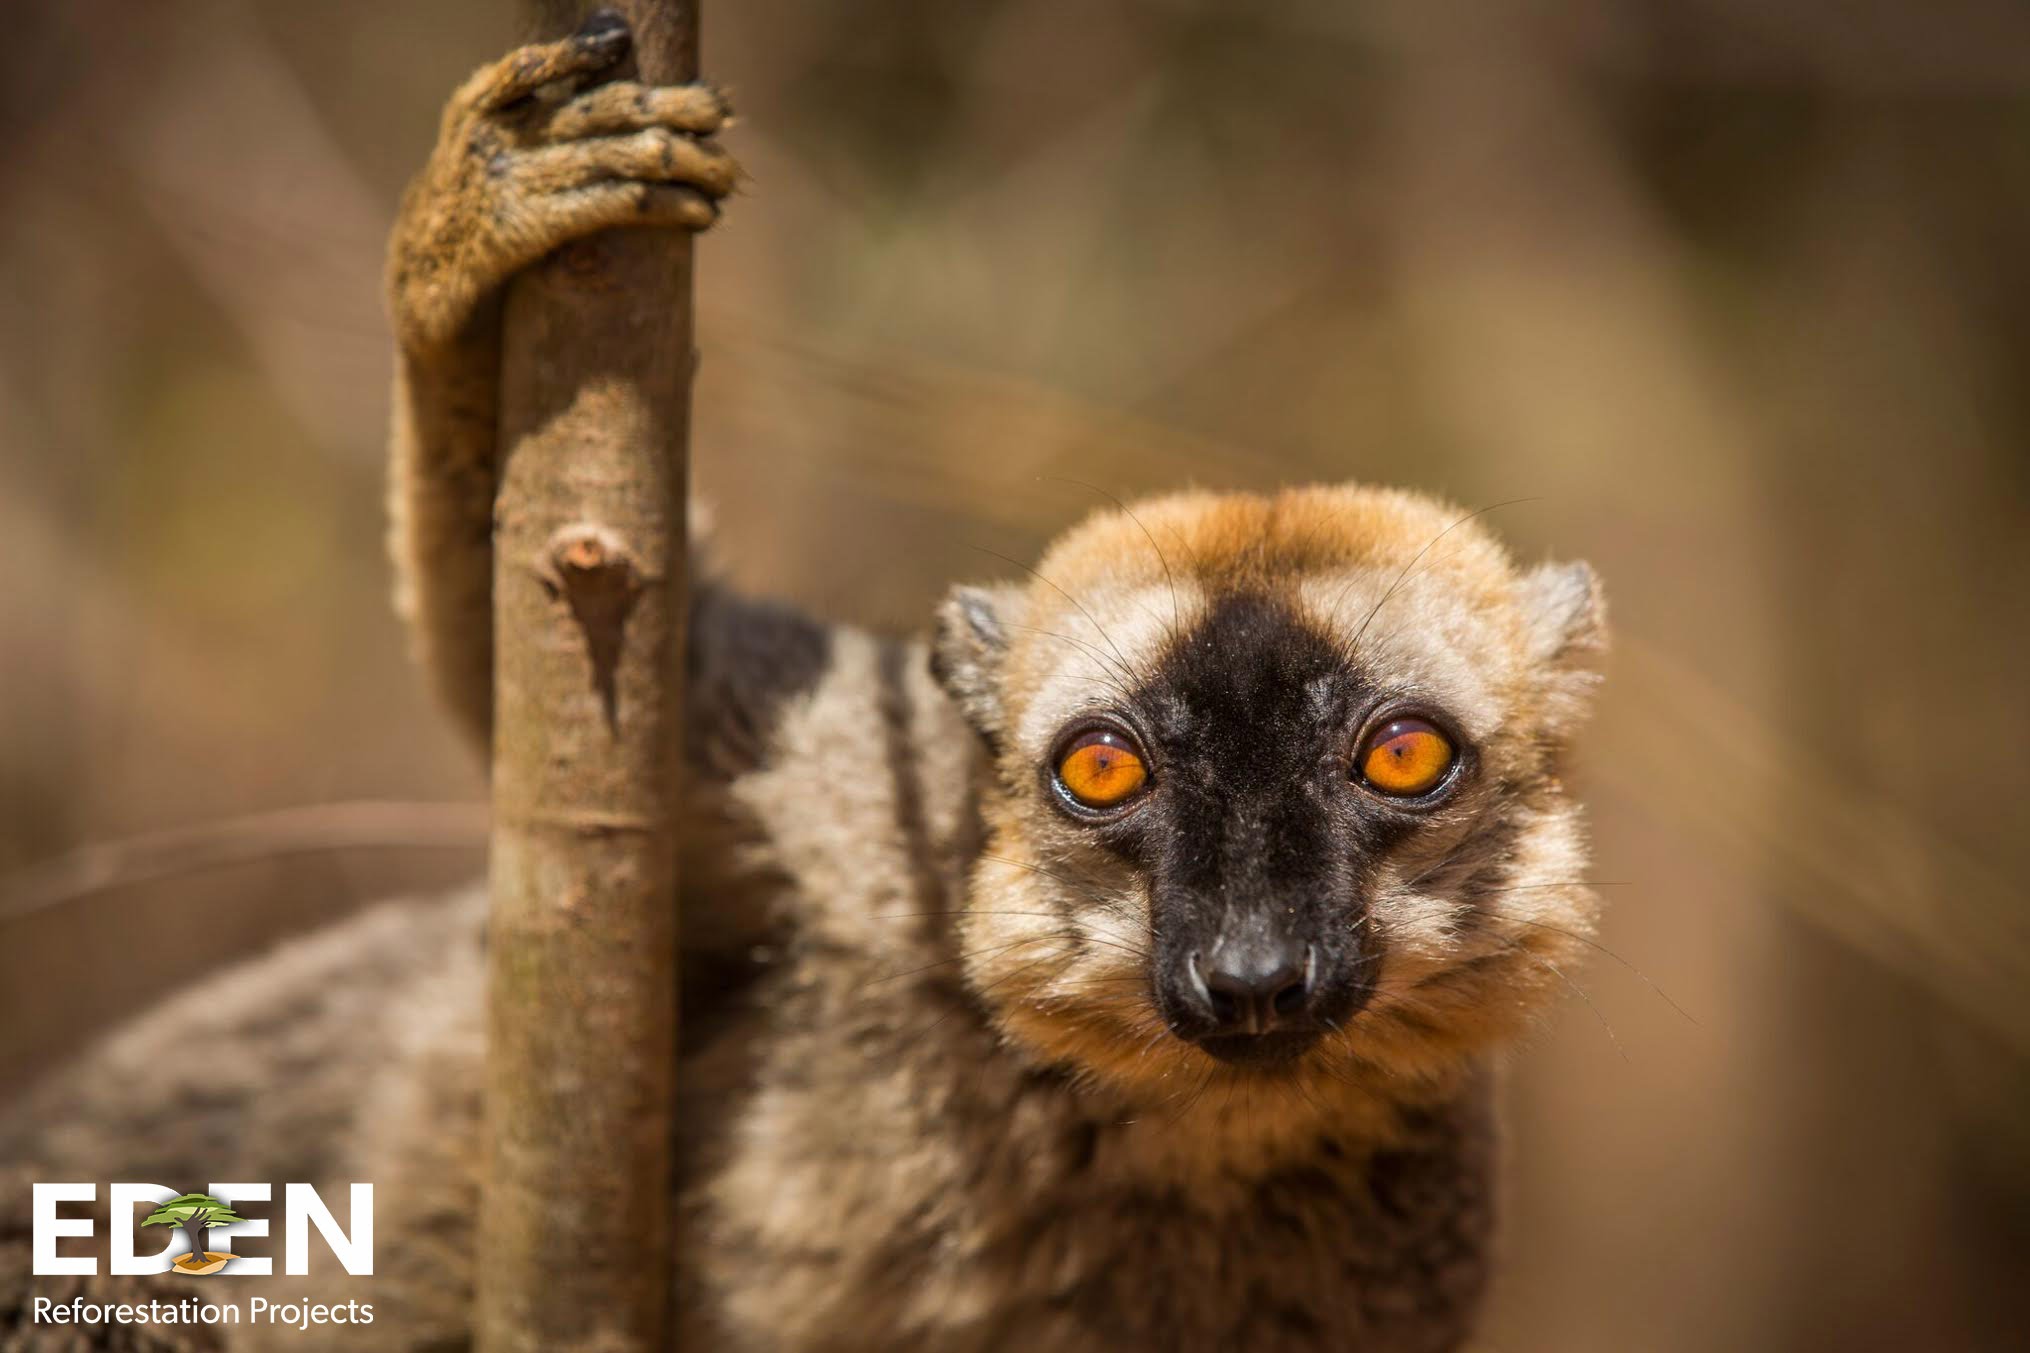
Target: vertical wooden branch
{"points": [[589, 607]]}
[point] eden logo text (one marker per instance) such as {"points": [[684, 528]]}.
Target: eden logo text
{"points": [[202, 1228]]}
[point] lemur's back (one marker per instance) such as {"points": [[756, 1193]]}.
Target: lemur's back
{"points": [[354, 1053], [289, 1068]]}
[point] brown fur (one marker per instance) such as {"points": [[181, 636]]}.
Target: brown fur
{"points": [[926, 1099]]}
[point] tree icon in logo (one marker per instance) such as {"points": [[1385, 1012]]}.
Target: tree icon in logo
{"points": [[195, 1213]]}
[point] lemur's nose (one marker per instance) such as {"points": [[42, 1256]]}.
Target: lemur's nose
{"points": [[1252, 987]]}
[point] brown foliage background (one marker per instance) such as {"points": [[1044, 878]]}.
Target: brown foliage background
{"points": [[1737, 294]]}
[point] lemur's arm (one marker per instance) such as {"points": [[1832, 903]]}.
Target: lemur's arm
{"points": [[535, 151]]}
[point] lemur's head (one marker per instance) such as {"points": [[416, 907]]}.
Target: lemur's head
{"points": [[1277, 788]]}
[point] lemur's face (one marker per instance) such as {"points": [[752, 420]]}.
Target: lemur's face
{"points": [[1277, 788]]}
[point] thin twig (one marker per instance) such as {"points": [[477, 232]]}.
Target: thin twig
{"points": [[311, 829]]}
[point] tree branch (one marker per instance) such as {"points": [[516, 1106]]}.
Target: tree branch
{"points": [[589, 602]]}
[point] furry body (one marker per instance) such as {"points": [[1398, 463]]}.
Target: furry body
{"points": [[869, 1165], [928, 1097]]}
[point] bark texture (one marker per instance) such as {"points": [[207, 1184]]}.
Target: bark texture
{"points": [[589, 600]]}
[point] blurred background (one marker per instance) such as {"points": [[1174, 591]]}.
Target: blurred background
{"points": [[1737, 295]]}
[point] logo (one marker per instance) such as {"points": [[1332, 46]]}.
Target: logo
{"points": [[202, 1229], [197, 1213]]}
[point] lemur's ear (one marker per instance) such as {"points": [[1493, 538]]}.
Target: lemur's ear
{"points": [[969, 651], [1568, 632], [1568, 613]]}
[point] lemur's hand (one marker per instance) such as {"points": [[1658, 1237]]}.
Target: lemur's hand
{"points": [[535, 152]]}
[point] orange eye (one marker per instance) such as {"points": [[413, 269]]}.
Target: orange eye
{"points": [[1405, 758], [1101, 768]]}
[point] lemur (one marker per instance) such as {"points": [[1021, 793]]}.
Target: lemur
{"points": [[1122, 966]]}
